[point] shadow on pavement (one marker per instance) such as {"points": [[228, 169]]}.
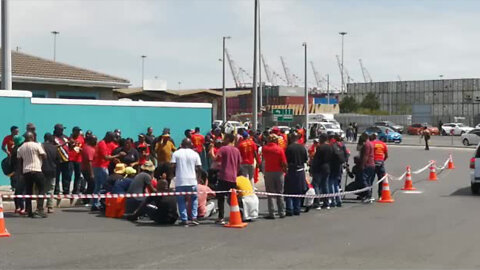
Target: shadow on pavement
{"points": [[466, 191]]}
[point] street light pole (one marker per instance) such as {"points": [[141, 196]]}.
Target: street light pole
{"points": [[224, 90], [255, 62], [143, 70], [55, 33], [6, 53], [306, 92], [260, 86], [328, 89], [343, 79]]}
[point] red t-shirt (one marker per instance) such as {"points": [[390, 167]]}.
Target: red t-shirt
{"points": [[74, 155], [379, 150], [143, 154], [198, 140], [301, 132], [103, 149], [88, 154], [8, 142], [247, 150], [311, 150], [274, 157]]}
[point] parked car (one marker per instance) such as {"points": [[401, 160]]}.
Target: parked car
{"points": [[471, 137], [385, 134], [217, 123], [455, 129], [316, 128], [233, 126], [416, 129], [475, 172], [391, 125]]}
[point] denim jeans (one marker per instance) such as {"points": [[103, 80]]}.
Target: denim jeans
{"points": [[182, 206], [380, 172], [321, 185], [334, 181], [293, 204], [101, 175], [368, 176]]}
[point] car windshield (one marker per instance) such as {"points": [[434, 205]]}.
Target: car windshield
{"points": [[330, 126], [461, 125]]}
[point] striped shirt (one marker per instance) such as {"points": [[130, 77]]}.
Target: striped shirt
{"points": [[31, 154]]}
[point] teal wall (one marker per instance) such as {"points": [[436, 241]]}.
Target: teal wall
{"points": [[132, 120]]}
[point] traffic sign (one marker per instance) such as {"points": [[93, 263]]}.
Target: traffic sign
{"points": [[282, 115]]}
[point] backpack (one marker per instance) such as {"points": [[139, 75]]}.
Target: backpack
{"points": [[339, 156]]}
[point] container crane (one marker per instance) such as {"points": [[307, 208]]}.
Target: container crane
{"points": [[366, 75], [233, 69], [288, 75], [268, 72], [318, 79], [346, 75]]}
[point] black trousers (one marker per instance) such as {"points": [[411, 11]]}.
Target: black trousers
{"points": [[78, 184], [426, 144], [38, 179], [223, 185], [63, 169]]}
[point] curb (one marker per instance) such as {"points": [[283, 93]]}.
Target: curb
{"points": [[63, 203]]}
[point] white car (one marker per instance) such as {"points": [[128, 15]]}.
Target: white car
{"points": [[328, 128], [455, 129], [471, 137], [475, 172], [233, 126]]}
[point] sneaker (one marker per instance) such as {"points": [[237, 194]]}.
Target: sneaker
{"points": [[22, 212], [220, 222], [319, 208], [282, 216], [50, 210], [194, 222], [184, 224], [41, 214], [270, 217], [366, 200]]}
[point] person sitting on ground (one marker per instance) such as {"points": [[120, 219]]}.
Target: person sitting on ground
{"points": [[161, 209], [121, 186], [206, 207], [138, 185], [118, 174], [248, 200]]}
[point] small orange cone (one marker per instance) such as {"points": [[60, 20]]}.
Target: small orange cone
{"points": [[3, 229], [408, 180], [235, 220], [386, 196], [451, 166], [433, 172]]}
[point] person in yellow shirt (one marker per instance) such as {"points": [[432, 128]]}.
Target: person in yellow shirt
{"points": [[164, 149], [248, 200]]}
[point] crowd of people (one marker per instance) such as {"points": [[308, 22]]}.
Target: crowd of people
{"points": [[208, 166]]}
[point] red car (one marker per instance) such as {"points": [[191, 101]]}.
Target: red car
{"points": [[416, 129]]}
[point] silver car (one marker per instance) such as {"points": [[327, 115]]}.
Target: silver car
{"points": [[471, 137]]}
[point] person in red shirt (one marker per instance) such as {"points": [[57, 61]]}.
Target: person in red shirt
{"points": [[143, 149], [8, 144], [301, 133], [275, 168], [312, 149], [198, 141], [75, 146], [101, 161], [248, 150], [380, 154], [88, 154]]}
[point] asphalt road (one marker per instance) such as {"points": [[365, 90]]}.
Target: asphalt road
{"points": [[444, 141], [437, 228]]}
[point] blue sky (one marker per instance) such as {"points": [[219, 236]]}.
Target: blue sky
{"points": [[416, 39]]}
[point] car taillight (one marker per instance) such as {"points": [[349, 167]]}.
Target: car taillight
{"points": [[472, 163]]}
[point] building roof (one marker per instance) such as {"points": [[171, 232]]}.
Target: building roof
{"points": [[180, 93], [33, 69]]}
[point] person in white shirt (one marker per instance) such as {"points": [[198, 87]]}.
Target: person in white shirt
{"points": [[186, 162], [31, 155]]}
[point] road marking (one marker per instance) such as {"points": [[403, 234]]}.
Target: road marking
{"points": [[412, 191], [432, 147]]}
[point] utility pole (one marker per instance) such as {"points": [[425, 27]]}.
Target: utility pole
{"points": [[6, 53], [260, 86], [306, 92], [55, 34], [143, 70], [328, 89], [224, 91], [343, 80], [255, 62]]}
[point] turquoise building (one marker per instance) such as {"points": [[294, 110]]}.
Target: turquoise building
{"points": [[131, 117]]}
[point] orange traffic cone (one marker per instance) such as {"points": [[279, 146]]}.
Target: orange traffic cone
{"points": [[3, 229], [235, 220], [433, 172], [408, 180], [386, 196], [451, 166]]}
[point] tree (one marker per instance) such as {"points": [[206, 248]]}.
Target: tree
{"points": [[348, 105], [370, 102]]}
